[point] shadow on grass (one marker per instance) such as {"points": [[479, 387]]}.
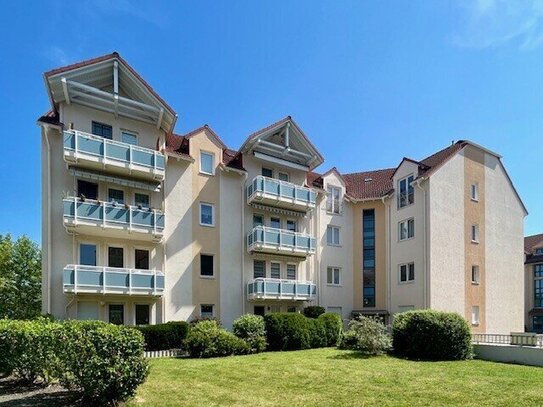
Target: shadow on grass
{"points": [[15, 392], [58, 399]]}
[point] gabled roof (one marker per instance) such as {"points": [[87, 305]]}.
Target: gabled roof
{"points": [[51, 117], [369, 184], [178, 144], [530, 242]]}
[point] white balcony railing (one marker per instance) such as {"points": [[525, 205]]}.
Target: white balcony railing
{"points": [[96, 151], [272, 240], [281, 289], [274, 192], [111, 280]]}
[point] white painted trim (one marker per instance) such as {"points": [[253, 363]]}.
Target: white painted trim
{"points": [[212, 224]]}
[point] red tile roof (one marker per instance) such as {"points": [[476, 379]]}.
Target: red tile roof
{"points": [[233, 159], [51, 117], [369, 184], [314, 179], [531, 241], [177, 144], [431, 163]]}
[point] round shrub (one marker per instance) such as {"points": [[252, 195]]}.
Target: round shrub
{"points": [[164, 336], [287, 331], [318, 333], [207, 339], [333, 325], [252, 330], [366, 335], [431, 335], [103, 361], [314, 311]]}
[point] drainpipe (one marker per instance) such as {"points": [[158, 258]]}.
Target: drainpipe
{"points": [[243, 242], [426, 281], [388, 300], [45, 129]]}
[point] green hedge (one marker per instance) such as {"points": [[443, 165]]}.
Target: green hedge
{"points": [[333, 325], [314, 311], [287, 331], [318, 333], [431, 335], [102, 361], [164, 336], [366, 335], [207, 339], [252, 330]]}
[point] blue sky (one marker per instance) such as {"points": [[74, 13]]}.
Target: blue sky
{"points": [[369, 82]]}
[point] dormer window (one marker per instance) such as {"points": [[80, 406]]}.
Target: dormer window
{"points": [[333, 200], [406, 191], [539, 250]]}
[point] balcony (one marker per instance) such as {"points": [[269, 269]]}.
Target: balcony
{"points": [[276, 289], [279, 241], [274, 192], [79, 279], [113, 220], [94, 152]]}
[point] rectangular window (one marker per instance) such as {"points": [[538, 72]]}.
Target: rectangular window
{"points": [[291, 225], [142, 314], [406, 191], [475, 315], [332, 236], [207, 214], [207, 163], [259, 269], [291, 271], [88, 190], [206, 265], [292, 309], [333, 200], [129, 138], [539, 250], [475, 274], [537, 324], [538, 285], [333, 276], [283, 176], [267, 172], [116, 314], [275, 223], [102, 130], [87, 254], [141, 200], [258, 220], [275, 270], [407, 229], [115, 195], [206, 310], [474, 192], [141, 259], [115, 257], [368, 261], [407, 272], [259, 310], [475, 233]]}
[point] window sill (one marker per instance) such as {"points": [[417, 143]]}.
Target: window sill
{"points": [[207, 277], [474, 242], [406, 239], [475, 283], [333, 245], [475, 324], [207, 225], [207, 174], [333, 285], [334, 213], [406, 282], [474, 200], [405, 206]]}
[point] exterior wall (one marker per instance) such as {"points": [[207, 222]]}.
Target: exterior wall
{"points": [[332, 296], [411, 295], [447, 237], [380, 255], [504, 250]]}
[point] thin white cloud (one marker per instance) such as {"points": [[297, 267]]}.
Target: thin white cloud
{"points": [[58, 56], [494, 23], [148, 12]]}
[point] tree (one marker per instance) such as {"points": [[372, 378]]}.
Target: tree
{"points": [[20, 278]]}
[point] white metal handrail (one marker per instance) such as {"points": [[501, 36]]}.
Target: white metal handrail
{"points": [[280, 232], [517, 339], [286, 184], [281, 282], [107, 141]]}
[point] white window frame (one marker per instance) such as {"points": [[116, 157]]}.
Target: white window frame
{"points": [[271, 269], [212, 224], [334, 269], [117, 246], [93, 243], [265, 268], [150, 305], [295, 225], [280, 173], [124, 310], [212, 155], [295, 271], [261, 216], [142, 193], [115, 188], [475, 233], [475, 315], [212, 310], [130, 133], [401, 225], [407, 281], [330, 232], [280, 222], [330, 201], [475, 274], [474, 192], [214, 267], [267, 168], [406, 179], [132, 258]]}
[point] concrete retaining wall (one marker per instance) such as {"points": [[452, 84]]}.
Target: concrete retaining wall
{"points": [[524, 355]]}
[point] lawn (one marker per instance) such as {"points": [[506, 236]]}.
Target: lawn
{"points": [[329, 377]]}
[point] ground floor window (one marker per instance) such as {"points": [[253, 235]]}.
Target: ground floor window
{"points": [[537, 324], [206, 310], [292, 309], [116, 314], [142, 314], [87, 310], [259, 310]]}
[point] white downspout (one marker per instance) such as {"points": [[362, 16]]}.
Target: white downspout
{"points": [[388, 291], [243, 242], [45, 129], [425, 246]]}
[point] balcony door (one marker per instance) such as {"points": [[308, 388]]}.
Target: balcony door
{"points": [[115, 257], [87, 189], [102, 130], [87, 254]]}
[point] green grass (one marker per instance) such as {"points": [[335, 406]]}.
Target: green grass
{"points": [[329, 377]]}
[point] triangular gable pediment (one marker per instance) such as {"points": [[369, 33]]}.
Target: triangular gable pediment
{"points": [[286, 141], [108, 83]]}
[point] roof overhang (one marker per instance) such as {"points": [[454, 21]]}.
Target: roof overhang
{"points": [[109, 84], [284, 141]]}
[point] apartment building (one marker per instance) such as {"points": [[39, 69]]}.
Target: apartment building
{"points": [[533, 264], [142, 225]]}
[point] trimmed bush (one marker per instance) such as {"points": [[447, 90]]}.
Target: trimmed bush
{"points": [[251, 329], [287, 331], [314, 311], [318, 333], [207, 339], [333, 325], [164, 336], [431, 335], [366, 335]]}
